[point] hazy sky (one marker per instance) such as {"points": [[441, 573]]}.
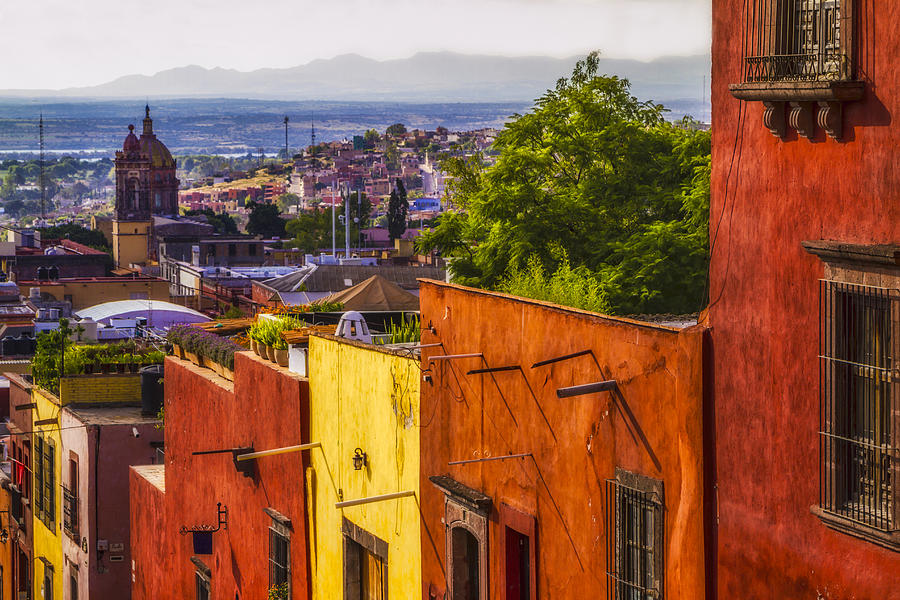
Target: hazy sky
{"points": [[62, 43]]}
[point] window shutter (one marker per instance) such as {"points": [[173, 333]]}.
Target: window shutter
{"points": [[50, 478], [37, 459]]}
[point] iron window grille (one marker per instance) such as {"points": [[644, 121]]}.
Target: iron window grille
{"points": [[279, 558], [797, 40], [70, 513], [635, 529], [859, 341]]}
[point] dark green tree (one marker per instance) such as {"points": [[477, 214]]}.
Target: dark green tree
{"points": [[265, 220], [311, 231], [371, 137], [591, 177], [82, 235], [396, 129], [221, 222], [398, 208]]}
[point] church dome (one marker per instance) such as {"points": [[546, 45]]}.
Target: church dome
{"points": [[131, 141], [160, 157]]}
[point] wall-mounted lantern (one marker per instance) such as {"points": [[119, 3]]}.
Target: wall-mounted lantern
{"points": [[4, 532], [359, 460]]}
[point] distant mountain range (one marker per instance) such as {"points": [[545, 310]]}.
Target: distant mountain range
{"points": [[425, 77]]}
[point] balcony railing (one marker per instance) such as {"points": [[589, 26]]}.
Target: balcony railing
{"points": [[70, 513], [796, 40]]}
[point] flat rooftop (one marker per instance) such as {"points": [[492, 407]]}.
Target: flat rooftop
{"points": [[154, 474], [111, 415]]}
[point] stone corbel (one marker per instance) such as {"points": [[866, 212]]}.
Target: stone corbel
{"points": [[773, 118], [831, 118], [802, 118]]}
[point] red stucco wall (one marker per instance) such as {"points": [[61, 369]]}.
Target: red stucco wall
{"points": [[577, 442], [111, 520], [266, 408], [150, 555], [764, 315]]}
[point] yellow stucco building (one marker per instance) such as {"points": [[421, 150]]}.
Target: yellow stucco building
{"points": [[47, 473], [47, 463], [364, 410], [84, 292]]}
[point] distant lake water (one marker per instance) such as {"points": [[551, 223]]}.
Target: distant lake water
{"points": [[226, 127]]}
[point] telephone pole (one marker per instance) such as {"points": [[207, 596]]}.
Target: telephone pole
{"points": [[42, 183]]}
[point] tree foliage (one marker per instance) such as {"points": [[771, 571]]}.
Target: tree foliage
{"points": [[398, 208], [82, 235], [221, 222], [396, 129], [265, 220], [311, 230], [595, 175]]}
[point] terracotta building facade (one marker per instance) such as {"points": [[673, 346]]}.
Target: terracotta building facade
{"points": [[262, 539], [535, 486], [804, 300]]}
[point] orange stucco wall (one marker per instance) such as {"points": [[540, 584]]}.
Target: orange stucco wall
{"points": [[576, 443]]}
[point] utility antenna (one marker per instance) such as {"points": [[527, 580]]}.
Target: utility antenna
{"points": [[286, 155], [313, 135], [260, 154], [42, 185]]}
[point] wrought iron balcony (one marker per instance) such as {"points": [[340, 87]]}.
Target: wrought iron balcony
{"points": [[70, 513], [798, 60], [796, 40]]}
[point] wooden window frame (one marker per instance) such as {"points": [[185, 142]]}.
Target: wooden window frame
{"points": [[355, 536], [526, 525]]}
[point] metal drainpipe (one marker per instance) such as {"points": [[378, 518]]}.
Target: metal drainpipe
{"points": [[97, 499]]}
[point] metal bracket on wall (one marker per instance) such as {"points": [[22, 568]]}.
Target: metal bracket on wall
{"points": [[494, 370], [556, 359], [587, 388], [489, 458], [247, 468], [222, 517], [455, 356], [273, 452]]}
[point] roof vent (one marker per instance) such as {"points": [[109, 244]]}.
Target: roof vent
{"points": [[352, 326]]}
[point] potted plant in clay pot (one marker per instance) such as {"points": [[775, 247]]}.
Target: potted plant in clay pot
{"points": [[281, 351]]}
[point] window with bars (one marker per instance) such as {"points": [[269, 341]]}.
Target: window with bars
{"points": [[280, 559], [797, 40], [860, 412], [634, 537]]}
